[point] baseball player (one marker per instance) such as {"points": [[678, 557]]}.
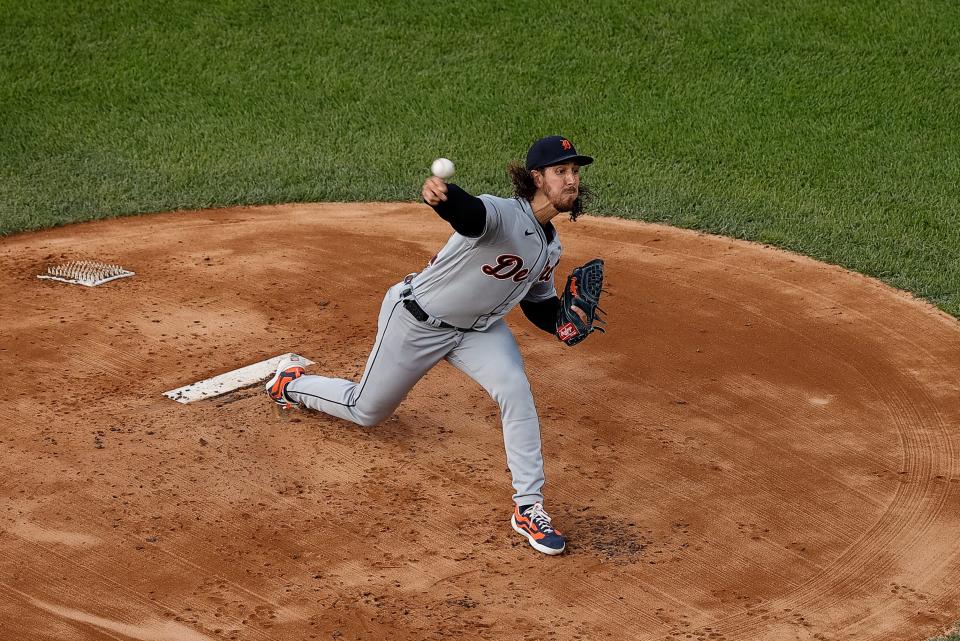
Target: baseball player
{"points": [[502, 253]]}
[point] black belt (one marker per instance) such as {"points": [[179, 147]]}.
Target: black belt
{"points": [[417, 312]]}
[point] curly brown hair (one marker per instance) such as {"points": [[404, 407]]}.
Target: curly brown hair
{"points": [[525, 187]]}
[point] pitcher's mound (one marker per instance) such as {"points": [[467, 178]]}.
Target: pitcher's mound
{"points": [[762, 447]]}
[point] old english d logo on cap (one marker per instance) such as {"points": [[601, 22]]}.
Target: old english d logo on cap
{"points": [[554, 150]]}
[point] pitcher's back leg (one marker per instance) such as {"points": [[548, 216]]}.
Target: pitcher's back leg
{"points": [[403, 352]]}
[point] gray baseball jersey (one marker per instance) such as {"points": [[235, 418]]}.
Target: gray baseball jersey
{"points": [[470, 284], [474, 282]]}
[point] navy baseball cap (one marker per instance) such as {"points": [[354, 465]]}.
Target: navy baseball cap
{"points": [[553, 150]]}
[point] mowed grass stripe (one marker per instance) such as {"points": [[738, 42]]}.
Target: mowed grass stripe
{"points": [[825, 129]]}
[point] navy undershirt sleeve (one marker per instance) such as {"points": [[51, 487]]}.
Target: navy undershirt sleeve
{"points": [[465, 213], [542, 314]]}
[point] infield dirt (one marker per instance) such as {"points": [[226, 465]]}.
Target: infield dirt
{"points": [[762, 447]]}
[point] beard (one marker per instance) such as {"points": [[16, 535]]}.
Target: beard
{"points": [[563, 200]]}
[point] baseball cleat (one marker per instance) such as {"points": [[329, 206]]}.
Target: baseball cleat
{"points": [[288, 370], [534, 523]]}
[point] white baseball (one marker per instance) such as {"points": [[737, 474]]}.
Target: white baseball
{"points": [[442, 168]]}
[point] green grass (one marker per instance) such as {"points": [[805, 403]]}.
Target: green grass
{"points": [[953, 635], [827, 128]]}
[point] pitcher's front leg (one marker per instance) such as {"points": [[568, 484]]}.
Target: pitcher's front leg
{"points": [[492, 359]]}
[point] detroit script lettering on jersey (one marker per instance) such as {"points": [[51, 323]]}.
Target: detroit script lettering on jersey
{"points": [[473, 282], [547, 273], [508, 266]]}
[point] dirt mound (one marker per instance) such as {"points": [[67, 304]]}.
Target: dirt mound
{"points": [[772, 452]]}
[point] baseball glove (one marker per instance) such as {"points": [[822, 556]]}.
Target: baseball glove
{"points": [[582, 292]]}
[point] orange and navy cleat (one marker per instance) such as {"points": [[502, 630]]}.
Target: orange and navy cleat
{"points": [[534, 523], [288, 370]]}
